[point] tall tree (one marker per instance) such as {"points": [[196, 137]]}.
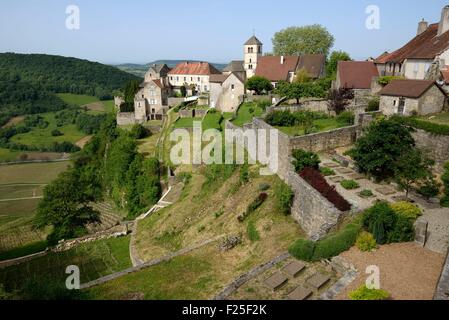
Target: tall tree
{"points": [[65, 206], [313, 39], [334, 58], [339, 99]]}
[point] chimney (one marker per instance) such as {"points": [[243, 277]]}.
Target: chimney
{"points": [[422, 26], [444, 22], [282, 59]]}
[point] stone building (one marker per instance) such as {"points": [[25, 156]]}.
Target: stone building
{"points": [[151, 101], [253, 50], [427, 51], [227, 91], [408, 97], [194, 76]]}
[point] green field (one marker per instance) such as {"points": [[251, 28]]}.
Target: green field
{"points": [[43, 137], [320, 125], [246, 113], [212, 121], [90, 102], [441, 118], [95, 260], [23, 181]]}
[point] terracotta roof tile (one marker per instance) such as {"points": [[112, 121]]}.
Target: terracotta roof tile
{"points": [[357, 74], [313, 64], [194, 68], [427, 45], [271, 68], [407, 88]]}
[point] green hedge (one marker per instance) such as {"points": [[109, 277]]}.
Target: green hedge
{"points": [[327, 248], [431, 127]]}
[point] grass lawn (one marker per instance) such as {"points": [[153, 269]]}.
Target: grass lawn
{"points": [[148, 145], [204, 212], [31, 172], [43, 137], [185, 123], [8, 155], [246, 113], [95, 260], [441, 118], [321, 125], [90, 102], [212, 121]]}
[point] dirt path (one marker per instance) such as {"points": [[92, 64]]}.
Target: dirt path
{"points": [[407, 271]]}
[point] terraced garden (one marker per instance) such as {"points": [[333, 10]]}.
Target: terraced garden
{"points": [[94, 259]]}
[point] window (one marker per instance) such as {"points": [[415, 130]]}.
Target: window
{"points": [[250, 67], [260, 50], [153, 110], [153, 101], [199, 79], [191, 79], [185, 79], [250, 60], [171, 78], [177, 78], [205, 88], [152, 92], [232, 87]]}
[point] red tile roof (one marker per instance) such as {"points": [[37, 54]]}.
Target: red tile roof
{"points": [[445, 75], [194, 68], [313, 64], [427, 46], [357, 74], [407, 88], [270, 67]]}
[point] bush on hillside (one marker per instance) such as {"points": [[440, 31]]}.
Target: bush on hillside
{"points": [[373, 105], [403, 230], [284, 195], [333, 245], [380, 220]]}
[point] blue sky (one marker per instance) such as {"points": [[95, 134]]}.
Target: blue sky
{"points": [[139, 31]]}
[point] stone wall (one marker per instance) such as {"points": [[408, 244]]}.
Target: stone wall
{"points": [[125, 118], [311, 210], [325, 141], [436, 146], [173, 101]]}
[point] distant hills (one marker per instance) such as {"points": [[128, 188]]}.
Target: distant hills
{"points": [[140, 69], [28, 82]]}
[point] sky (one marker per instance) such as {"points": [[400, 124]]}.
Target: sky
{"points": [[139, 31]]}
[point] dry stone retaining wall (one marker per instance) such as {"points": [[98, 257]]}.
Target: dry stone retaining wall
{"points": [[437, 146]]}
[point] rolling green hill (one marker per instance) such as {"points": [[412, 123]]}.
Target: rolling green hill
{"points": [[62, 74]]}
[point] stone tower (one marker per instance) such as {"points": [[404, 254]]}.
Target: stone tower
{"points": [[253, 51]]}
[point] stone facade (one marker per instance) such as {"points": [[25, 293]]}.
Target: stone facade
{"points": [[126, 118], [431, 102], [436, 146], [226, 96]]}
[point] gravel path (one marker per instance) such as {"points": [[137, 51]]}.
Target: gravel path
{"points": [[407, 271]]}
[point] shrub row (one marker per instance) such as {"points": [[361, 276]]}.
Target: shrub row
{"points": [[431, 127], [327, 248], [319, 183]]}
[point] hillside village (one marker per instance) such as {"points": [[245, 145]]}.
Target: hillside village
{"points": [[362, 179]]}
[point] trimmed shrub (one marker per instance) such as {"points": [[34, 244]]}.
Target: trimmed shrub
{"points": [[403, 230], [445, 180], [350, 184], [302, 249], [430, 188], [319, 183], [281, 119], [380, 220], [336, 244], [407, 210], [366, 242], [304, 159], [366, 193], [327, 172], [363, 293]]}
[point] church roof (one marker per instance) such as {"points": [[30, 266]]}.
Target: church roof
{"points": [[235, 66], [253, 41]]}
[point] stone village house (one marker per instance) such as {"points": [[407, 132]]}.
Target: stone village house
{"points": [[408, 97], [424, 56]]}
